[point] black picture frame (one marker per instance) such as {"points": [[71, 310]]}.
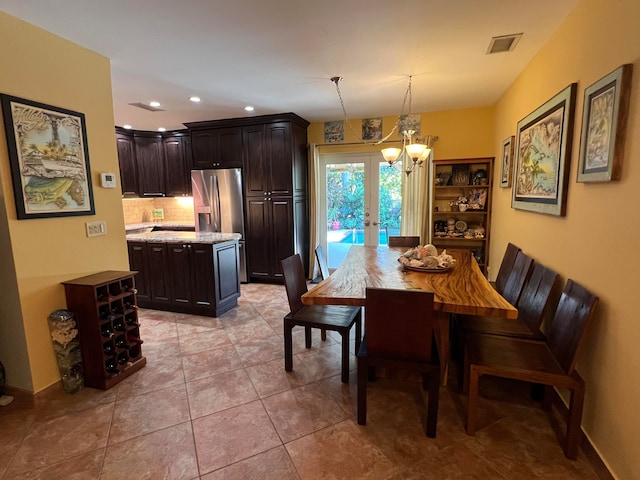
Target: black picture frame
{"points": [[49, 159]]}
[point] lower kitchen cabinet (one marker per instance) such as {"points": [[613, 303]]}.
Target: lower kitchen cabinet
{"points": [[197, 278]]}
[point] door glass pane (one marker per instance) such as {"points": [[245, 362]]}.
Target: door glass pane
{"points": [[390, 197], [345, 209]]}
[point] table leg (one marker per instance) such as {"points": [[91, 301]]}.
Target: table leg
{"points": [[441, 327]]}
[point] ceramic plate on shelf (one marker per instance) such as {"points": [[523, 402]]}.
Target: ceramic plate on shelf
{"points": [[461, 225]]}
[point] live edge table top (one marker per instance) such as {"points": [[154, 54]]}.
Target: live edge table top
{"points": [[462, 290]]}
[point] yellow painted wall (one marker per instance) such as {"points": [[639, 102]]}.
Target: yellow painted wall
{"points": [[461, 133], [38, 254], [597, 242]]}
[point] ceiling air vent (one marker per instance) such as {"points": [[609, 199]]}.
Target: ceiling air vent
{"points": [[503, 43], [147, 107]]}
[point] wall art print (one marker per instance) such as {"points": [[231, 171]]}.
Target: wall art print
{"points": [[334, 131], [604, 123], [507, 162], [543, 154], [372, 129], [49, 159]]}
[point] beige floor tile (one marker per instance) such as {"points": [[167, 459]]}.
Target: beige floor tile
{"points": [[220, 392], [301, 411], [210, 362], [201, 341], [342, 451], [232, 435], [272, 465], [260, 350], [167, 454], [82, 467]]}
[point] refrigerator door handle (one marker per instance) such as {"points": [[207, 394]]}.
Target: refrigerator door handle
{"points": [[215, 204]]}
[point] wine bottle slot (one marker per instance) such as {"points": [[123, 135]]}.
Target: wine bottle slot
{"points": [[111, 366]]}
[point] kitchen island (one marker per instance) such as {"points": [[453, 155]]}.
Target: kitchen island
{"points": [[186, 272]]}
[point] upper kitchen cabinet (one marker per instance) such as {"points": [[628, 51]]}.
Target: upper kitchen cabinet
{"points": [[127, 162], [150, 164], [216, 147], [177, 156], [275, 159]]}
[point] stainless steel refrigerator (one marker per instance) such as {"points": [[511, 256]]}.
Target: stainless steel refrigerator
{"points": [[218, 205]]}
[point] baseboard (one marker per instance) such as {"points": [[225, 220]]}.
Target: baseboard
{"points": [[590, 452]]}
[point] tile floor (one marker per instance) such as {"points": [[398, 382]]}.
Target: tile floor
{"points": [[214, 402]]}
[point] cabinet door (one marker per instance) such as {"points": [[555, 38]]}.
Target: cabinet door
{"points": [[177, 172], [158, 273], [202, 281], [127, 163], [226, 264], [279, 158], [258, 242], [281, 233], [150, 166], [178, 264], [217, 148], [229, 147], [255, 168], [138, 262]]}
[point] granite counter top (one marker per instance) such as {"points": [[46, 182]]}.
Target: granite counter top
{"points": [[147, 226], [183, 237]]}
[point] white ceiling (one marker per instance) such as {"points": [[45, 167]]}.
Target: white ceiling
{"points": [[278, 55]]}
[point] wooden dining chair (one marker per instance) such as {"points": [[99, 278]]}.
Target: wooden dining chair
{"points": [[505, 266], [328, 317], [517, 278], [404, 241], [550, 362], [323, 266], [533, 306], [399, 334]]}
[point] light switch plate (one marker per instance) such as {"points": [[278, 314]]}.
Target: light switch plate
{"points": [[95, 229]]}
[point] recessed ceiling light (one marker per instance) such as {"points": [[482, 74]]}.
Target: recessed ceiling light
{"points": [[194, 99], [128, 127], [162, 129], [154, 104], [249, 108]]}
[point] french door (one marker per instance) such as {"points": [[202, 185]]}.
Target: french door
{"points": [[361, 200]]}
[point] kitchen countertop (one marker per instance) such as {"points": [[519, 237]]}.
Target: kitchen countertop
{"points": [[146, 225], [183, 237]]}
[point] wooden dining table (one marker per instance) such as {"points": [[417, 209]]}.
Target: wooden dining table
{"points": [[461, 290]]}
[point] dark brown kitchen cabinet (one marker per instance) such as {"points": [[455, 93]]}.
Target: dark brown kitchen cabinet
{"points": [[139, 262], [197, 278], [177, 152], [216, 148], [127, 163], [150, 164], [270, 224], [273, 150]]}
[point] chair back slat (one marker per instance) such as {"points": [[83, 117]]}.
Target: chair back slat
{"points": [[517, 278], [399, 323], [404, 241], [536, 297], [570, 323], [322, 263], [505, 267], [294, 281]]}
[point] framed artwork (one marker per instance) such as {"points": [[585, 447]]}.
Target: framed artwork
{"points": [[334, 131], [409, 122], [460, 175], [372, 129], [604, 124], [49, 159], [543, 154], [507, 162]]}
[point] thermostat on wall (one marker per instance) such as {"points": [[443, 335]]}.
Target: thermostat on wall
{"points": [[108, 180]]}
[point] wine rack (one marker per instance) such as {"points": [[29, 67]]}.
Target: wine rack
{"points": [[107, 315]]}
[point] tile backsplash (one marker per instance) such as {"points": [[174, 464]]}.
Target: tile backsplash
{"points": [[175, 209]]}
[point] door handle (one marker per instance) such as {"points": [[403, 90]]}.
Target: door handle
{"points": [[377, 223], [366, 223]]}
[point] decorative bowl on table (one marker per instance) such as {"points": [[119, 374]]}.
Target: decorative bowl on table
{"points": [[426, 259]]}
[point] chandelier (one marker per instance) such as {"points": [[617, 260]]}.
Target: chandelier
{"points": [[414, 150]]}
